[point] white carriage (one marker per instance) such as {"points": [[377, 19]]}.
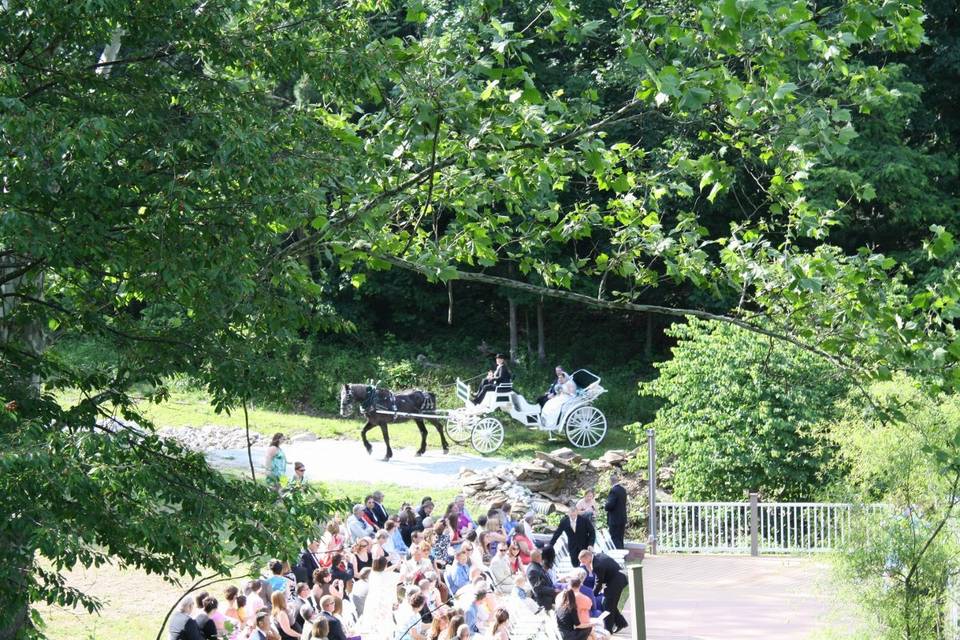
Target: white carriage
{"points": [[583, 424]]}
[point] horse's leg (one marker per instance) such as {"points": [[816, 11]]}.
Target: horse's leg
{"points": [[443, 438], [423, 436], [386, 441], [363, 436]]}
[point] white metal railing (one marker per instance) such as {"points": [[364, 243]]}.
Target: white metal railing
{"points": [[703, 526], [753, 527]]}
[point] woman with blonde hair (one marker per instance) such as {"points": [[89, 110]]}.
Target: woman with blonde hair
{"points": [[280, 617], [441, 620]]}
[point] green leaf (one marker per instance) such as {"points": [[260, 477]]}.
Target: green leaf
{"points": [[784, 90]]}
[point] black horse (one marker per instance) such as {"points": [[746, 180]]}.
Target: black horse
{"points": [[382, 406]]}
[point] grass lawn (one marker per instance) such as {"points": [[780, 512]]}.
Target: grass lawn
{"points": [[192, 409], [134, 605]]}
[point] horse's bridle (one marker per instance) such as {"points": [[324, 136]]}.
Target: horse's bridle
{"points": [[348, 399]]}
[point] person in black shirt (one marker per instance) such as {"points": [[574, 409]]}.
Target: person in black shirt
{"points": [[500, 375], [580, 532], [208, 628], [616, 508], [379, 511], [611, 581], [327, 604], [554, 388], [540, 582]]}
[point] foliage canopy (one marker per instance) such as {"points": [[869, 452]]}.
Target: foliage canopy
{"points": [[191, 181]]}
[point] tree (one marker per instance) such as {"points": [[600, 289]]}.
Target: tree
{"points": [[741, 414], [153, 164], [903, 558], [179, 205]]}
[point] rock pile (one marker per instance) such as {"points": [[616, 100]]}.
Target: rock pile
{"points": [[211, 437], [542, 485]]}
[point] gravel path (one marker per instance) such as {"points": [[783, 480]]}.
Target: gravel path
{"points": [[344, 460]]}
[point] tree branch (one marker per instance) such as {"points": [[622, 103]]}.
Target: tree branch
{"points": [[615, 305]]}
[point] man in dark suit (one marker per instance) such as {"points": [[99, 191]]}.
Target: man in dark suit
{"points": [[611, 581], [580, 532], [540, 582], [379, 511], [616, 508], [500, 375], [309, 562], [327, 603]]}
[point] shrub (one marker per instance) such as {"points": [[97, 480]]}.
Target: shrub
{"points": [[740, 414]]}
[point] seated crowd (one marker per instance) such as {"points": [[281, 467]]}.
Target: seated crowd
{"points": [[418, 574]]}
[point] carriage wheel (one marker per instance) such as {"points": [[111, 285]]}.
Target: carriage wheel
{"points": [[586, 427], [459, 425], [487, 435]]}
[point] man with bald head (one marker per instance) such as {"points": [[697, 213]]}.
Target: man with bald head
{"points": [[611, 581], [540, 582]]}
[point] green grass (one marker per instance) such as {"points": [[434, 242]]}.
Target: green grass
{"points": [[187, 408], [394, 494]]}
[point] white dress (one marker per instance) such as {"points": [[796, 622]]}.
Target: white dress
{"points": [[550, 414], [376, 622]]}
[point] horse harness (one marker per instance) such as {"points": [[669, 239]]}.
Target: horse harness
{"points": [[372, 401]]}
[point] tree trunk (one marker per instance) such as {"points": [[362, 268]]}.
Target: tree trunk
{"points": [[110, 52], [29, 332], [513, 329], [15, 622], [541, 345], [526, 330], [450, 302], [648, 342]]}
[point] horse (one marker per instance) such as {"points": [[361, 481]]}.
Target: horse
{"points": [[382, 406]]}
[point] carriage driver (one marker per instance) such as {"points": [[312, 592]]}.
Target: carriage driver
{"points": [[500, 375]]}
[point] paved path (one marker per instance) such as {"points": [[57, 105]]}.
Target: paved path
{"points": [[702, 597], [345, 460]]}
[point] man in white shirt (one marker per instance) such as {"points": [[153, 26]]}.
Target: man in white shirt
{"points": [[501, 571]]}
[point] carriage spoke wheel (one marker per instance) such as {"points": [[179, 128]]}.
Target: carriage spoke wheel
{"points": [[586, 427], [459, 425], [487, 435]]}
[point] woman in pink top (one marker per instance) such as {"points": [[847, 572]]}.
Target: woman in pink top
{"points": [[334, 544], [524, 543]]}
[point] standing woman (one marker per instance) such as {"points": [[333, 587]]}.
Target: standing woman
{"points": [[276, 461]]}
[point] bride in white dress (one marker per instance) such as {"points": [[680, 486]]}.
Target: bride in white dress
{"points": [[377, 623], [550, 414]]}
